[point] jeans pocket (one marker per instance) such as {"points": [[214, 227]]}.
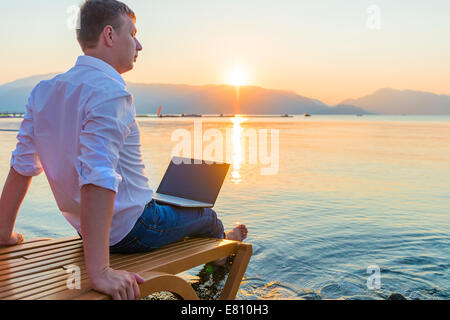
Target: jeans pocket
{"points": [[152, 219], [152, 225]]}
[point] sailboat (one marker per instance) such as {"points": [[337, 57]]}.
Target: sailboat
{"points": [[160, 115]]}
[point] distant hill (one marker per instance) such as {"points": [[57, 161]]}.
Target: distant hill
{"points": [[27, 82], [216, 99], [391, 101], [208, 99]]}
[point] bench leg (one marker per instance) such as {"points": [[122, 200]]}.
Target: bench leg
{"points": [[237, 271], [159, 281]]}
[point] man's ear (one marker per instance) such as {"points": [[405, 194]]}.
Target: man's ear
{"points": [[108, 36]]}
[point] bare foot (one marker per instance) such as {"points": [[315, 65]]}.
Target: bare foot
{"points": [[238, 233]]}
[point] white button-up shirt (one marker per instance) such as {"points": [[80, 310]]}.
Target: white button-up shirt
{"points": [[80, 128]]}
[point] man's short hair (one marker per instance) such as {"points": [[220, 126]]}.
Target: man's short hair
{"points": [[95, 15]]}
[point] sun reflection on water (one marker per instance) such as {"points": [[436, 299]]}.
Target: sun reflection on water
{"points": [[237, 148]]}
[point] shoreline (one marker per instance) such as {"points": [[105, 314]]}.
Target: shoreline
{"points": [[5, 115]]}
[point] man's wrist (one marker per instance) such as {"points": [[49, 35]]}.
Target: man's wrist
{"points": [[97, 277], [95, 273]]}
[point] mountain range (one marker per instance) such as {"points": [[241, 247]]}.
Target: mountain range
{"points": [[221, 99], [391, 101]]}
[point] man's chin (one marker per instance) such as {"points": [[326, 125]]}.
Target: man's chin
{"points": [[129, 68]]}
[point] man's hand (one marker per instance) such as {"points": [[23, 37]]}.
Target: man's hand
{"points": [[14, 239], [119, 284]]}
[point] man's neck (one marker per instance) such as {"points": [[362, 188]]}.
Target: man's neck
{"points": [[104, 57]]}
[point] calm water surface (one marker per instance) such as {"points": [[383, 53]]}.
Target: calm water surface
{"points": [[350, 192]]}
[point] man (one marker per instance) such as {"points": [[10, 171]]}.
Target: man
{"points": [[80, 129]]}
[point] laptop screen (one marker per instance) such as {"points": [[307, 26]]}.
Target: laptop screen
{"points": [[199, 182]]}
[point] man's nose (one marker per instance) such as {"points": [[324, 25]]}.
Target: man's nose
{"points": [[138, 45]]}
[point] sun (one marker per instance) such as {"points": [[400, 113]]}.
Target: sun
{"points": [[237, 77]]}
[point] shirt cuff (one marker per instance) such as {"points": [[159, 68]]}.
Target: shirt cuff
{"points": [[101, 177], [24, 168]]}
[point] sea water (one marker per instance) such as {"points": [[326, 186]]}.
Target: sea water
{"points": [[358, 208]]}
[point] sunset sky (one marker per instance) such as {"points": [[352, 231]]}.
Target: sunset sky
{"points": [[326, 49]]}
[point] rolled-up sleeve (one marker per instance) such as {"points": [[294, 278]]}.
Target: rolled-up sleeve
{"points": [[25, 159], [103, 133]]}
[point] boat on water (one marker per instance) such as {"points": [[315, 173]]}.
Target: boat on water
{"points": [[186, 115], [161, 115], [169, 116], [191, 115], [306, 115]]}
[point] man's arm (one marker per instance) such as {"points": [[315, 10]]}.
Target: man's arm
{"points": [[25, 164], [97, 206], [14, 191], [103, 132]]}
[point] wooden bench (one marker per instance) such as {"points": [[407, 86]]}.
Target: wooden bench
{"points": [[41, 268]]}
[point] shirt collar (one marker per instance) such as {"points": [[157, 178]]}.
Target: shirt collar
{"points": [[102, 66]]}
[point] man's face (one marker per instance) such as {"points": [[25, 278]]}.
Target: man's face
{"points": [[127, 46]]}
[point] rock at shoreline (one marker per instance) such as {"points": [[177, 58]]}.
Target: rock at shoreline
{"points": [[396, 296]]}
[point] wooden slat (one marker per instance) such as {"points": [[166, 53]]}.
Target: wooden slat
{"points": [[22, 253], [41, 260], [181, 262], [24, 280], [41, 268], [48, 253], [38, 291], [17, 292], [168, 250], [34, 278], [7, 263], [36, 239], [27, 241], [119, 261], [30, 264], [37, 244]]}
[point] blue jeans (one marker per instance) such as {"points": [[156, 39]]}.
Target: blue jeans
{"points": [[160, 225]]}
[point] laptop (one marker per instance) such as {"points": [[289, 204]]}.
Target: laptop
{"points": [[191, 183]]}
